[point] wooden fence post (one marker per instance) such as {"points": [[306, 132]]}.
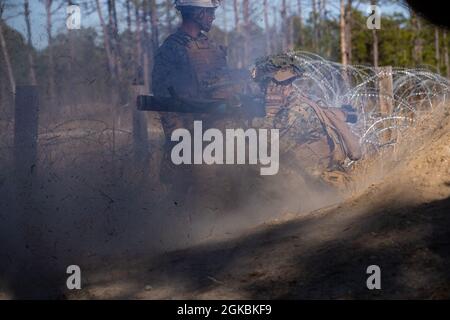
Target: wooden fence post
{"points": [[140, 134], [25, 158], [386, 96], [25, 137]]}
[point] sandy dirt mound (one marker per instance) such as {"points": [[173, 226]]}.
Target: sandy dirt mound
{"points": [[396, 217]]}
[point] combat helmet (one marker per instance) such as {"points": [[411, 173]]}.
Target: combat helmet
{"points": [[197, 3], [275, 74], [280, 68]]}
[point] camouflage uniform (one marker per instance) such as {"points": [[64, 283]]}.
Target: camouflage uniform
{"points": [[303, 141], [188, 65], [313, 138]]}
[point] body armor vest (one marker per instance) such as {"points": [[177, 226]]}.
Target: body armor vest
{"points": [[208, 62]]}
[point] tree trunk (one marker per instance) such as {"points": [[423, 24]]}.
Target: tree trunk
{"points": [[325, 26], [348, 30], [154, 24], [169, 16], [9, 69], [291, 34], [114, 38], [315, 37], [437, 49], [106, 40], [51, 64], [320, 26], [138, 34], [237, 26], [147, 46], [284, 29], [266, 27], [139, 58], [72, 95], [343, 35], [375, 42], [237, 23], [31, 65], [225, 23], [446, 57], [246, 32], [345, 25], [276, 41], [128, 8], [375, 48], [300, 29], [151, 44], [114, 11], [290, 28], [418, 41]]}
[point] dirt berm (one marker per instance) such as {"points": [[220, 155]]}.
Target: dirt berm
{"points": [[399, 219]]}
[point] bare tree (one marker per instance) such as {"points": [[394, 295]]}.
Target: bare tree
{"points": [[375, 41], [418, 41], [315, 37], [326, 47], [147, 37], [246, 33], [237, 23], [291, 27], [321, 5], [169, 19], [266, 27], [348, 29], [345, 24], [51, 64], [300, 27], [138, 34], [275, 30], [106, 40], [343, 36], [147, 47], [283, 14], [113, 37], [128, 9], [31, 70], [225, 23], [446, 57], [71, 45], [437, 49], [9, 69], [153, 9]]}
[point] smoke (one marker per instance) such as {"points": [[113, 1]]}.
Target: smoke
{"points": [[92, 201]]}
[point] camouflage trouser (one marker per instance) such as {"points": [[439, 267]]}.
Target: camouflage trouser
{"points": [[196, 181], [176, 178]]}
